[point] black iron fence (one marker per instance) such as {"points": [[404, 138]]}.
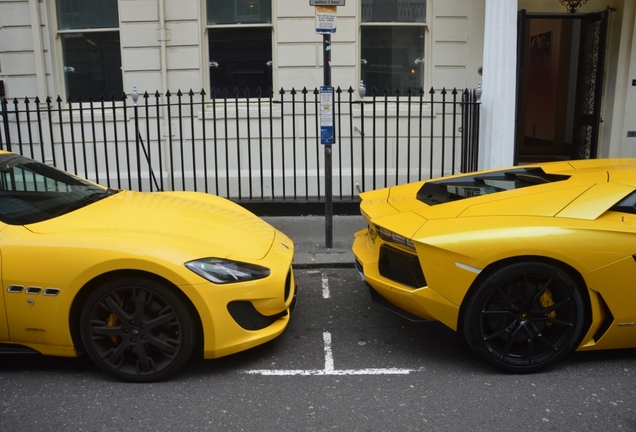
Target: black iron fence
{"points": [[251, 148]]}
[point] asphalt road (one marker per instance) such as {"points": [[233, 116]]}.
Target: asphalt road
{"points": [[343, 364]]}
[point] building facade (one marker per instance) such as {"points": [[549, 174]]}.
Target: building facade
{"points": [[73, 47], [530, 58]]}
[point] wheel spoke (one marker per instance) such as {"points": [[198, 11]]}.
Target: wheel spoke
{"points": [[165, 316], [144, 363], [167, 346], [498, 312], [551, 320], [112, 305], [538, 294], [530, 347], [497, 334], [116, 356], [139, 296], [99, 329], [542, 338], [511, 339], [551, 308], [505, 298]]}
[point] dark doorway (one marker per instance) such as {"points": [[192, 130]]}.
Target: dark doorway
{"points": [[560, 77]]}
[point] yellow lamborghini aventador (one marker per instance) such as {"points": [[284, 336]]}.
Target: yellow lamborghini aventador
{"points": [[528, 263], [136, 280]]}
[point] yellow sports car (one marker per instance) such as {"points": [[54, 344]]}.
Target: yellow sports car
{"points": [[527, 263], [139, 281]]}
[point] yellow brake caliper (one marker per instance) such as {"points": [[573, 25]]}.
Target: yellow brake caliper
{"points": [[112, 322], [546, 301]]}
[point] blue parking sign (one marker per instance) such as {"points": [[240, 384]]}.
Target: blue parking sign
{"points": [[326, 115]]}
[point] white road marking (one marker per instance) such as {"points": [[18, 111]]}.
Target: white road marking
{"points": [[326, 337], [318, 372], [325, 287], [329, 367]]}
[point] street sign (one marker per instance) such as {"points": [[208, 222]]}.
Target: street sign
{"points": [[326, 2], [326, 115], [326, 19]]}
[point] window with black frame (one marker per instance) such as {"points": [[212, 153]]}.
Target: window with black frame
{"points": [[393, 44], [91, 49], [240, 46]]}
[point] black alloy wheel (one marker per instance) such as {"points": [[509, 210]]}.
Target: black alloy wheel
{"points": [[137, 330], [524, 317]]}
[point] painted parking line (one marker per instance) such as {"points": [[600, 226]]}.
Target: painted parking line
{"points": [[329, 367], [325, 287]]}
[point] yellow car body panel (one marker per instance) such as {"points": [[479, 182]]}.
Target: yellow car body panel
{"points": [[44, 321], [567, 221], [423, 302], [48, 268]]}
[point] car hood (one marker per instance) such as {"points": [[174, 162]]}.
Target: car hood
{"points": [[182, 219]]}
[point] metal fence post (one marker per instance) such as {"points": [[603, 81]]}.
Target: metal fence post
{"points": [[4, 112]]}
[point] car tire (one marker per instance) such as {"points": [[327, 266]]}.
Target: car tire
{"points": [[137, 329], [524, 317]]}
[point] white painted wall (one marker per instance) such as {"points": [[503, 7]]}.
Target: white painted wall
{"points": [[497, 127]]}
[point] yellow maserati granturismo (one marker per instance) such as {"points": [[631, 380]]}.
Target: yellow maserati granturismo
{"points": [[527, 263], [139, 281]]}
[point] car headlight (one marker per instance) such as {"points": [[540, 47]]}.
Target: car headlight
{"points": [[391, 237], [222, 271]]}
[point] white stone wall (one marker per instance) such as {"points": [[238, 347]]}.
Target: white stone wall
{"points": [[17, 59], [173, 53]]}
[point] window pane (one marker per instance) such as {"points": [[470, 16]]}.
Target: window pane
{"points": [[77, 14], [394, 11], [393, 57], [92, 64], [239, 11], [240, 58]]}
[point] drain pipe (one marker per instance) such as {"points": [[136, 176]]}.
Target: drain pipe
{"points": [[163, 35], [36, 32]]}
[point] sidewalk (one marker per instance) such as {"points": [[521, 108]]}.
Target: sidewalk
{"points": [[308, 234]]}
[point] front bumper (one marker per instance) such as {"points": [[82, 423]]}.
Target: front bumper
{"points": [[239, 316], [414, 303]]}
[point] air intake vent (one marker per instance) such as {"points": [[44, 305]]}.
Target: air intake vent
{"points": [[51, 292], [401, 267]]}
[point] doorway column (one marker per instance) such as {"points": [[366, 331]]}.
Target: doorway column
{"points": [[497, 127]]}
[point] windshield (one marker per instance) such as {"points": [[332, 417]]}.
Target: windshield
{"points": [[443, 191], [33, 192]]}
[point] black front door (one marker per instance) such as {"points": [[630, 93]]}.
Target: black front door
{"points": [[560, 78], [589, 85]]}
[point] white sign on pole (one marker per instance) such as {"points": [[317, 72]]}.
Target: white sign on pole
{"points": [[326, 19], [326, 2], [326, 115]]}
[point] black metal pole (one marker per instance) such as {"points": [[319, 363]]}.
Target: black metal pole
{"points": [[326, 45]]}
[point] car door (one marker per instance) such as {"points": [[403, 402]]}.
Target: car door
{"points": [[4, 328]]}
